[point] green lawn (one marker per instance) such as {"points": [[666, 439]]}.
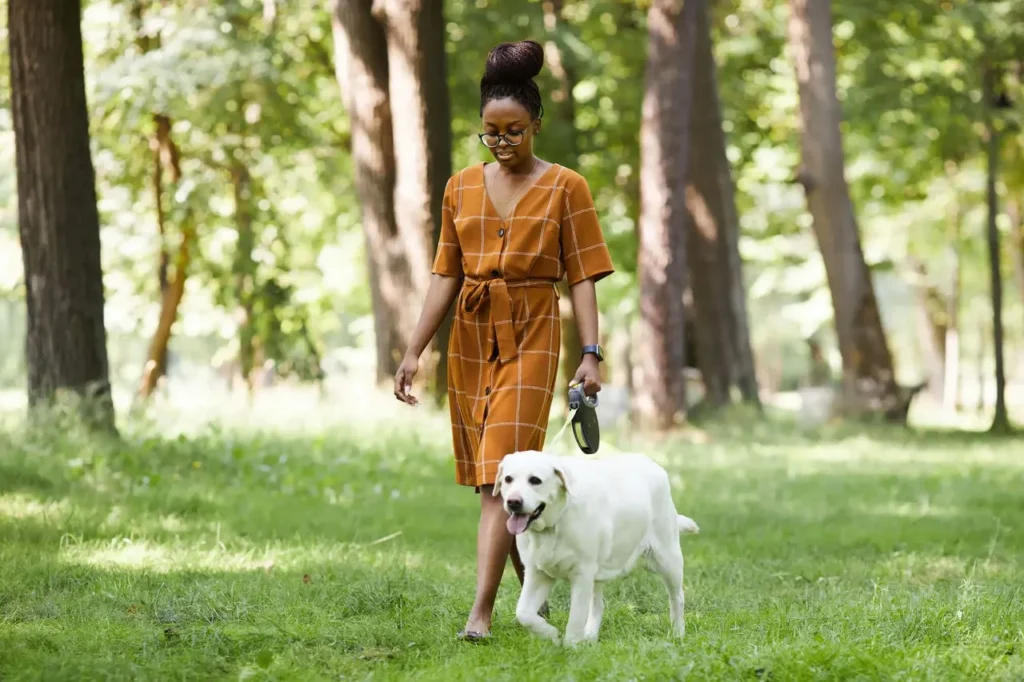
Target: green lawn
{"points": [[349, 554]]}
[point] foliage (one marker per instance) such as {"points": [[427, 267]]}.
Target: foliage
{"points": [[244, 87]]}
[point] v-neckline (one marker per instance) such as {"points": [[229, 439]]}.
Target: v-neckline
{"points": [[526, 190]]}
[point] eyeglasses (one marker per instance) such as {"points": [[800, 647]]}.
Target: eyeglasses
{"points": [[512, 138]]}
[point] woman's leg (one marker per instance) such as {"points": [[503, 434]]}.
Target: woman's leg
{"points": [[517, 562], [493, 546]]}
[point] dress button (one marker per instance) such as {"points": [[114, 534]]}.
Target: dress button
{"points": [[501, 232], [487, 391], [495, 273]]}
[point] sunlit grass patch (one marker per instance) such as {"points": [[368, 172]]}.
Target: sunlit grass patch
{"points": [[22, 506], [346, 551]]}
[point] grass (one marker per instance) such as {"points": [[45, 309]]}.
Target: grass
{"points": [[345, 551]]}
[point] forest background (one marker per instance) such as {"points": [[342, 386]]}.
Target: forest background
{"points": [[268, 177]]}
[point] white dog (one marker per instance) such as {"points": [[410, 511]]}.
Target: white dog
{"points": [[588, 520]]}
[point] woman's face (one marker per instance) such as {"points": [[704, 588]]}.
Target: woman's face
{"points": [[508, 131]]}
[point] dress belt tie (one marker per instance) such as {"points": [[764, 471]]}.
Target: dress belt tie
{"points": [[496, 290]]}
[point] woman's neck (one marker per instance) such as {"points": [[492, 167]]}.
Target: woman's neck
{"points": [[524, 168]]}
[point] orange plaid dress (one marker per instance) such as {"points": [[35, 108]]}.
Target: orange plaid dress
{"points": [[506, 331]]}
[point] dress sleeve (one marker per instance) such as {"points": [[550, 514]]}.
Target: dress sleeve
{"points": [[585, 254], [448, 258]]}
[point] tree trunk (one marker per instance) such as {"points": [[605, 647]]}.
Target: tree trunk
{"points": [[724, 355], [169, 305], [1013, 211], [146, 42], [245, 272], [979, 367], [162, 125], [58, 222], [1001, 418], [166, 156], [868, 378], [361, 67], [564, 127], [417, 83], [951, 383], [661, 261], [932, 310]]}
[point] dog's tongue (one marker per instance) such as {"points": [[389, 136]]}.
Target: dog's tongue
{"points": [[517, 523]]}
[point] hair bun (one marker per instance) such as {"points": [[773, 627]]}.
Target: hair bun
{"points": [[514, 62]]}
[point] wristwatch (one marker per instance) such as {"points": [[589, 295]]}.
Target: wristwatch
{"points": [[595, 350]]}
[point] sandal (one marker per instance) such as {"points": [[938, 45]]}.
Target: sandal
{"points": [[471, 636], [476, 637]]}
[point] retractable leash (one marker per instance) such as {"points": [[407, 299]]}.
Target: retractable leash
{"points": [[586, 428]]}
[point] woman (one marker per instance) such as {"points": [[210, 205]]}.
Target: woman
{"points": [[510, 231]]}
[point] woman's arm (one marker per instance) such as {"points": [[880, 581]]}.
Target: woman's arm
{"points": [[584, 307], [440, 295], [587, 260]]}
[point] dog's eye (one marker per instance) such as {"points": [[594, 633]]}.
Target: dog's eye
{"points": [[508, 479], [534, 480]]}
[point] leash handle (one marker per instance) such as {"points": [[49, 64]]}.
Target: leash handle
{"points": [[577, 397]]}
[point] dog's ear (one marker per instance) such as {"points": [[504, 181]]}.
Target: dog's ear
{"points": [[497, 479], [563, 476]]}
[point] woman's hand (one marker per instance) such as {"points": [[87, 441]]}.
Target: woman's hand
{"points": [[588, 375], [440, 295], [403, 379]]}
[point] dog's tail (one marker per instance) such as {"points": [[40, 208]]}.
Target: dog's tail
{"points": [[687, 525]]}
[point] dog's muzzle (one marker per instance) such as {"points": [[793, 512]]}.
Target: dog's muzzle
{"points": [[518, 523]]}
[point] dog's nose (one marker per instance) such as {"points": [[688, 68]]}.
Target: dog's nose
{"points": [[514, 503]]}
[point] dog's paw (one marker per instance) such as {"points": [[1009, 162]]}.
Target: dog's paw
{"points": [[544, 630], [574, 642]]}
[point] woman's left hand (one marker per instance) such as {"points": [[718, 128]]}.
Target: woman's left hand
{"points": [[588, 375]]}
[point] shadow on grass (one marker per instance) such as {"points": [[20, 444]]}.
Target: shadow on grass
{"points": [[316, 558], [282, 491], [742, 425], [83, 622]]}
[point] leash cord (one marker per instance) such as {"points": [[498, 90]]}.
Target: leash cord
{"points": [[565, 427]]}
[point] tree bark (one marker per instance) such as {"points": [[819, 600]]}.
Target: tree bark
{"points": [[166, 159], [932, 317], [1001, 418], [169, 305], [724, 356], [951, 383], [162, 130], [166, 155], [362, 70], [245, 272], [661, 262], [979, 368], [564, 121], [868, 378], [1013, 211], [145, 42], [58, 222], [418, 86]]}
